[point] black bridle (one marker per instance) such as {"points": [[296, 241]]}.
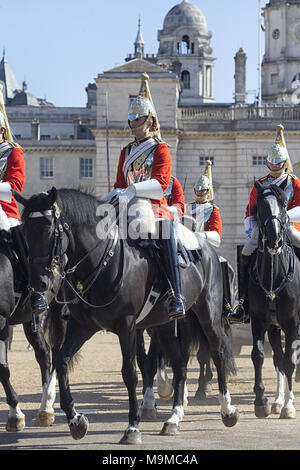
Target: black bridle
{"points": [[57, 263], [282, 242]]}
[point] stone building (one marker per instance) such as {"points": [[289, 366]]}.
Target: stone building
{"points": [[80, 146]]}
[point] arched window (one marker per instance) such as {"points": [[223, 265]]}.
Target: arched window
{"points": [[185, 79], [185, 46]]}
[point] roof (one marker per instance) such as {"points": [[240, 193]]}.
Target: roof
{"points": [[11, 86], [184, 14]]}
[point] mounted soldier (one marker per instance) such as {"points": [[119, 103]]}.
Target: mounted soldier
{"points": [[12, 178], [280, 174], [144, 170], [208, 222]]}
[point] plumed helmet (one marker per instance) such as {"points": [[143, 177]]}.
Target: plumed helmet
{"points": [[278, 152], [2, 120], [205, 181], [202, 184], [140, 106], [143, 105], [3, 117]]}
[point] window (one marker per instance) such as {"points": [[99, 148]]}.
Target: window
{"points": [[45, 137], [203, 160], [258, 161], [185, 79], [86, 169], [46, 167]]}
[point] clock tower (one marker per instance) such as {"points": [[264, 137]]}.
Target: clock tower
{"points": [[281, 62]]}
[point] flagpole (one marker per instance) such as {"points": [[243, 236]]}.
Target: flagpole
{"points": [[259, 54]]}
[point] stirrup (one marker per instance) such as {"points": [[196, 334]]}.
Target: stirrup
{"points": [[239, 315], [176, 308]]}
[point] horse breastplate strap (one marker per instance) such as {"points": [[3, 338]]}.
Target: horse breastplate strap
{"points": [[138, 163]]}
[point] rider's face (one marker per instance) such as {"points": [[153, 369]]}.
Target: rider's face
{"points": [[276, 169], [138, 129], [201, 195]]}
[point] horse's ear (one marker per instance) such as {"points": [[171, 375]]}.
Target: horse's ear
{"points": [[52, 195], [22, 200]]}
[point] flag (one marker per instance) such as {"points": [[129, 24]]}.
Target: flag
{"points": [[262, 26]]}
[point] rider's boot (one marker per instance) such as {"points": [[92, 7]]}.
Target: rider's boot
{"points": [[37, 299], [240, 315], [176, 303], [227, 308]]}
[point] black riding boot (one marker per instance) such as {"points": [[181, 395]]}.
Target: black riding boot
{"points": [[240, 316], [38, 301], [227, 308], [176, 305]]}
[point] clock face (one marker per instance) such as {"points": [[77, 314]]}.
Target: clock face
{"points": [[276, 33], [295, 31]]}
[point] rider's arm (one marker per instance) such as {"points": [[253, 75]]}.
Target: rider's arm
{"points": [[15, 172], [214, 228], [120, 180]]}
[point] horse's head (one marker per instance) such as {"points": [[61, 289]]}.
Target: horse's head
{"points": [[47, 236], [272, 218]]}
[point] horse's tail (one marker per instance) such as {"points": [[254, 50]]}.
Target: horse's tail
{"points": [[55, 331], [193, 337]]}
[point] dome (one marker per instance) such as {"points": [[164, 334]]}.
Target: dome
{"points": [[184, 14]]}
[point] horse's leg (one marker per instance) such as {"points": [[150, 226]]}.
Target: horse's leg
{"points": [[16, 419], [288, 411], [171, 347], [205, 374], [127, 338], [148, 409], [37, 340], [261, 406], [76, 336], [274, 335], [164, 385]]}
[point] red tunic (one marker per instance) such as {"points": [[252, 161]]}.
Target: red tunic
{"points": [[293, 202], [161, 171], [15, 176], [214, 223], [177, 197]]}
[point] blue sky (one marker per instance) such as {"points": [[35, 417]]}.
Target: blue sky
{"points": [[59, 46]]}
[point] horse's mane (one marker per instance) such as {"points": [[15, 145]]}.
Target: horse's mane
{"points": [[275, 191], [76, 205]]}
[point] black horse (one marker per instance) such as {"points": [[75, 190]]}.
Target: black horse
{"points": [[107, 283], [16, 309], [274, 286]]}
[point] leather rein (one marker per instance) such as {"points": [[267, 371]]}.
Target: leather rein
{"points": [[56, 258], [288, 272]]}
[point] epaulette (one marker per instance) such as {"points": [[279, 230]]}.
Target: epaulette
{"points": [[159, 141]]}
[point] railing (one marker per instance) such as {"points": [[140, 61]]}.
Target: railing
{"points": [[231, 113]]}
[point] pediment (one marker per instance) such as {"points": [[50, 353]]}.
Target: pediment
{"points": [[137, 66]]}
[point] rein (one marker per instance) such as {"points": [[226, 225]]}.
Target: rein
{"points": [[288, 273], [56, 258]]}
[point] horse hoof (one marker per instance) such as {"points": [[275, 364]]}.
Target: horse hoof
{"points": [[131, 437], [230, 420], [288, 413], [169, 429], [45, 419], [208, 387], [15, 424], [262, 411], [166, 394], [148, 414], [78, 427], [276, 408], [200, 395]]}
